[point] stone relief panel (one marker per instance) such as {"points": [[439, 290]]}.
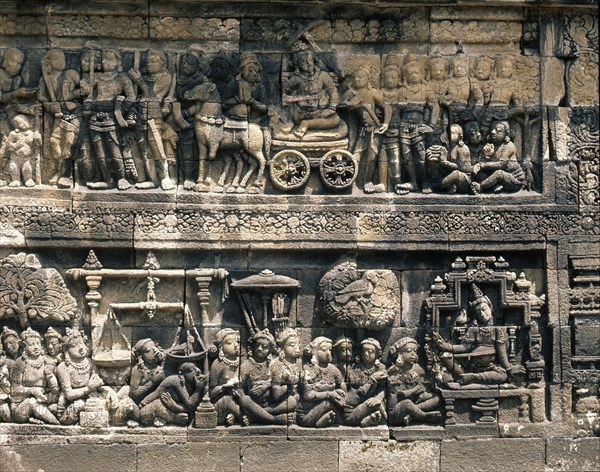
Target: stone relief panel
{"points": [[453, 121], [477, 360]]}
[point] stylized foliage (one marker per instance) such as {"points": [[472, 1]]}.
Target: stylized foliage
{"points": [[30, 292]]}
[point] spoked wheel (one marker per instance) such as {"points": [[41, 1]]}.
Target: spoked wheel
{"points": [[338, 169], [289, 170]]}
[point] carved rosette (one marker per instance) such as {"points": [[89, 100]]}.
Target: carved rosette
{"points": [[352, 298]]}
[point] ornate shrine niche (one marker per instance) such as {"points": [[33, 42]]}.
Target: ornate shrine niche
{"points": [[485, 344]]}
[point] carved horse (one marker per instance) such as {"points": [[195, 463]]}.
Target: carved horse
{"points": [[213, 134]]}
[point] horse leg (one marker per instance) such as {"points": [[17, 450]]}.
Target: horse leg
{"points": [[254, 147], [251, 168], [227, 161], [239, 167], [203, 165], [201, 185]]}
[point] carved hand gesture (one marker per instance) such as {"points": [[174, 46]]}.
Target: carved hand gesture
{"points": [[338, 397], [38, 394], [441, 343], [135, 75], [373, 402], [168, 401], [379, 376], [95, 382]]}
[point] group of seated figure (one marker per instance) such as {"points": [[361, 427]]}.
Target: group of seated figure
{"points": [[436, 125], [50, 378]]}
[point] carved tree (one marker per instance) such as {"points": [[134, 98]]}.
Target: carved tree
{"points": [[30, 292]]}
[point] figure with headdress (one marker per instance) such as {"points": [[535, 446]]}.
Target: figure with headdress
{"points": [[390, 143], [365, 400], [155, 138], [60, 95], [76, 377], [87, 166], [437, 71], [409, 400], [11, 344], [54, 355], [54, 347], [31, 381], [416, 111], [322, 388], [254, 394], [460, 87], [483, 83], [224, 379], [368, 104], [502, 163], [285, 373], [175, 399], [343, 354], [111, 96], [245, 97], [148, 370], [311, 93], [503, 102], [191, 72], [481, 357]]}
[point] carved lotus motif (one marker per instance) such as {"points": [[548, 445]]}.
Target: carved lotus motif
{"points": [[353, 298]]}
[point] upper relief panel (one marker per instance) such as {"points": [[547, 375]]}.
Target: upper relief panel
{"points": [[327, 101]]}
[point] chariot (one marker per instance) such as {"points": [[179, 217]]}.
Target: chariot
{"points": [[292, 161]]}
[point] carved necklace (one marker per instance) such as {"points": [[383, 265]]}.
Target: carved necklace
{"points": [[233, 365], [309, 76], [82, 368], [106, 76], [262, 364], [368, 372], [292, 367], [31, 362]]}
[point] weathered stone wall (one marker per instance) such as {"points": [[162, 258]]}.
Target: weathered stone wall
{"points": [[443, 227]]}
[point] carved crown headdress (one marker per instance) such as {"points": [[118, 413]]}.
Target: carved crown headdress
{"points": [[52, 333], [7, 332], [29, 334], [476, 296], [247, 58]]}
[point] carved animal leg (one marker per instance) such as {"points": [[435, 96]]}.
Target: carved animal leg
{"points": [[227, 161], [251, 168], [203, 182], [239, 167]]}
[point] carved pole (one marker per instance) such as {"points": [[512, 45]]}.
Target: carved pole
{"points": [[206, 415]]}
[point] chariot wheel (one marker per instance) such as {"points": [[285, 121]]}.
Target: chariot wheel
{"points": [[289, 170], [338, 169]]}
